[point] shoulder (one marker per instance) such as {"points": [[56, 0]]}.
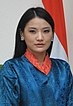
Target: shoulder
{"points": [[13, 62], [60, 62], [62, 66], [14, 65], [10, 66]]}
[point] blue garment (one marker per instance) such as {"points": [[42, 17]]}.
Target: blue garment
{"points": [[21, 84]]}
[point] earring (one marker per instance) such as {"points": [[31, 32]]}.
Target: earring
{"points": [[52, 39], [21, 34], [22, 38]]}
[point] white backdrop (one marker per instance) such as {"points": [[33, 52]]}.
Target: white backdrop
{"points": [[68, 8], [10, 13]]}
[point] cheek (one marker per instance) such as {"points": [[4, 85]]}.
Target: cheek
{"points": [[49, 38], [29, 40]]}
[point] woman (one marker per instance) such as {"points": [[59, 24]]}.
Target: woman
{"points": [[31, 78]]}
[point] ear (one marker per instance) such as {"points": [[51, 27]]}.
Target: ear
{"points": [[52, 39], [22, 37]]}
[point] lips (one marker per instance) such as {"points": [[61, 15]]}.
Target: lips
{"points": [[39, 45]]}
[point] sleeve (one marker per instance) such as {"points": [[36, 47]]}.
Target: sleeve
{"points": [[70, 100], [9, 86], [70, 88]]}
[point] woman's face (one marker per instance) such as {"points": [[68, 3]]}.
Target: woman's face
{"points": [[37, 35]]}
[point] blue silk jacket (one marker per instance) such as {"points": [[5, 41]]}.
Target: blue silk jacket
{"points": [[21, 84]]}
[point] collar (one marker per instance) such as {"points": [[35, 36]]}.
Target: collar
{"points": [[46, 66]]}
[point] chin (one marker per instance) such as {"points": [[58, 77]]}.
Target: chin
{"points": [[40, 51]]}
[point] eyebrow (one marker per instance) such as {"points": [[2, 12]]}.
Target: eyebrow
{"points": [[42, 28], [32, 28], [46, 28]]}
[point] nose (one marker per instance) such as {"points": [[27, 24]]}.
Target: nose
{"points": [[40, 36]]}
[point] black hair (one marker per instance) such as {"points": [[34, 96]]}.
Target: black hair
{"points": [[20, 46]]}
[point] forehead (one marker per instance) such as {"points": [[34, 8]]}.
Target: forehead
{"points": [[38, 22]]}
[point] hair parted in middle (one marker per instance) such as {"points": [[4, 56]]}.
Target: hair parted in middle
{"points": [[20, 45]]}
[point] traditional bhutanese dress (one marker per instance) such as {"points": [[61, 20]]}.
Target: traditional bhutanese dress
{"points": [[23, 82]]}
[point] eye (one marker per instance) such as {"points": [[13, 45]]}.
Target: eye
{"points": [[32, 31], [46, 31]]}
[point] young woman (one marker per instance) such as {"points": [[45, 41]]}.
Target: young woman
{"points": [[31, 78]]}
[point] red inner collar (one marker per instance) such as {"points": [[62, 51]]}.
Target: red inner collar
{"points": [[46, 66]]}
